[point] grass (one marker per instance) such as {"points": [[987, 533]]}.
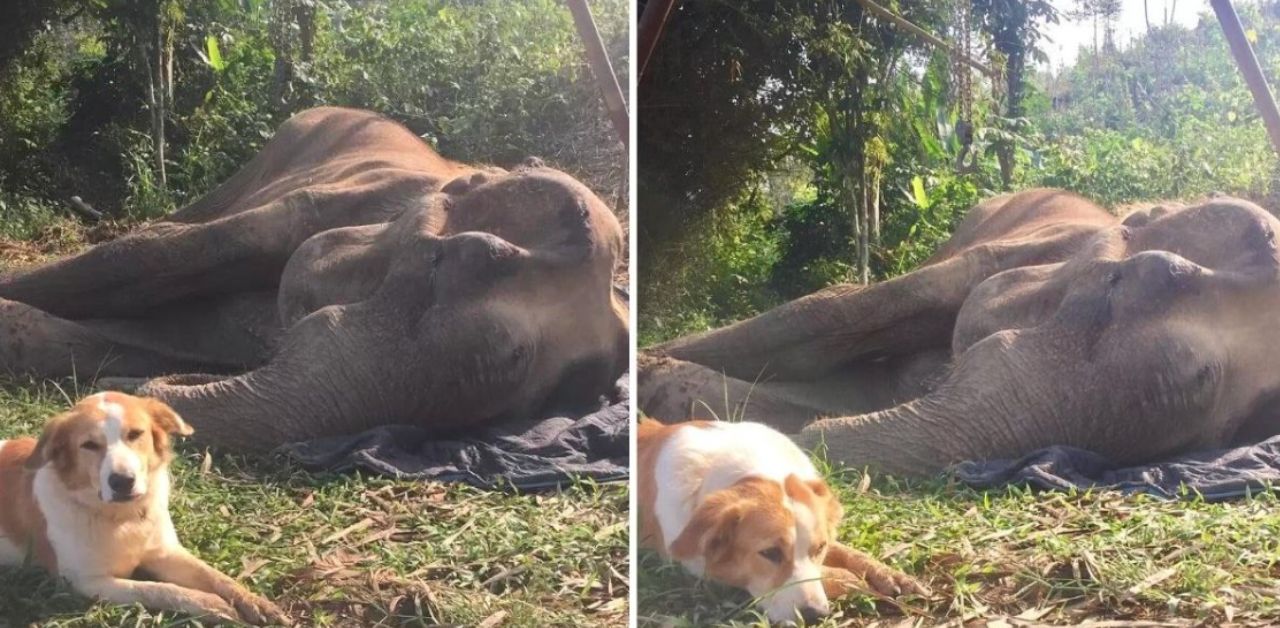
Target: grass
{"points": [[352, 550], [1022, 558]]}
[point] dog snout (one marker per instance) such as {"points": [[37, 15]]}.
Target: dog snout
{"points": [[120, 483]]}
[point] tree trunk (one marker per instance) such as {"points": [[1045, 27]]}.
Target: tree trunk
{"points": [[159, 113], [150, 51], [864, 248], [873, 188], [1013, 109]]}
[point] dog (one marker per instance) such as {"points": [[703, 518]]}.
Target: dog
{"points": [[740, 504], [89, 501]]}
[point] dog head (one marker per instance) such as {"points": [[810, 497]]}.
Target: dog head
{"points": [[769, 538], [109, 446]]}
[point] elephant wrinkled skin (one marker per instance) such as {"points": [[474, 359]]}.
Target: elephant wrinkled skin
{"points": [[1043, 321], [347, 277]]}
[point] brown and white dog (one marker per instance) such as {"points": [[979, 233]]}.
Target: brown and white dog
{"points": [[741, 504], [90, 502]]}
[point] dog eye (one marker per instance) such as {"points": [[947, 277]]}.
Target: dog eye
{"points": [[773, 554], [91, 446], [134, 434], [820, 548]]}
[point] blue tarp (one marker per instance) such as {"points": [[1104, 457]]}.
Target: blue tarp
{"points": [[1217, 475], [534, 453]]}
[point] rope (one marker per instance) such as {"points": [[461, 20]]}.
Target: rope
{"points": [[964, 89]]}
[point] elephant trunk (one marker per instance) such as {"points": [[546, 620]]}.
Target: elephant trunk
{"points": [[906, 440], [923, 437], [254, 412]]}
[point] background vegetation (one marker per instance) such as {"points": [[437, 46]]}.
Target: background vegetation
{"points": [[773, 134], [139, 106]]}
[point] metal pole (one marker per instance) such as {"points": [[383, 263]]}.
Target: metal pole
{"points": [[600, 67], [1249, 67], [649, 30]]}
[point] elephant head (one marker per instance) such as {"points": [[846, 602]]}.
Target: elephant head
{"points": [[491, 298], [1157, 337]]}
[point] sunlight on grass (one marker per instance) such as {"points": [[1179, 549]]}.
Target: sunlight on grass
{"points": [[1037, 557]]}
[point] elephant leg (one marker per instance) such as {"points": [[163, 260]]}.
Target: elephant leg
{"points": [[229, 333], [34, 341], [673, 390], [169, 262], [830, 329]]}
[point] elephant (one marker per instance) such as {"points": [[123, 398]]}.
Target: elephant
{"points": [[346, 277], [1044, 320]]}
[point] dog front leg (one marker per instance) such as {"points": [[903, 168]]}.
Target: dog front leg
{"points": [[846, 569], [180, 567], [157, 596]]}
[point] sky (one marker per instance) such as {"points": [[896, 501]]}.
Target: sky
{"points": [[1068, 36]]}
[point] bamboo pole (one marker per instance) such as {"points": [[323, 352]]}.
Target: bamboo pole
{"points": [[1249, 67], [614, 101], [902, 23]]}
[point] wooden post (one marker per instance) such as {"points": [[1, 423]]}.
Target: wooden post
{"points": [[1248, 64], [614, 101], [649, 31]]}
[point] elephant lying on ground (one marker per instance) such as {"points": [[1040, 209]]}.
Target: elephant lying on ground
{"points": [[348, 276], [1044, 320]]}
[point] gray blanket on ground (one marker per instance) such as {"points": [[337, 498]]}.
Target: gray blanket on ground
{"points": [[535, 453], [1212, 475]]}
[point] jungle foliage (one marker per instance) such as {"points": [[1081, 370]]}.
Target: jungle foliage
{"points": [[139, 106], [783, 150]]}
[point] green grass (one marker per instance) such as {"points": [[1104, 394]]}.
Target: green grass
{"points": [[352, 550], [1026, 557]]}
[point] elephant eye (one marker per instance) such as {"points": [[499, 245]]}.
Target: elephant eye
{"points": [[772, 554]]}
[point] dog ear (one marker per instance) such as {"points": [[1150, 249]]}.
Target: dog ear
{"points": [[710, 530], [165, 419], [52, 446], [835, 510], [822, 497]]}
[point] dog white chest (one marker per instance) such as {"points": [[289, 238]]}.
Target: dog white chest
{"points": [[89, 543]]}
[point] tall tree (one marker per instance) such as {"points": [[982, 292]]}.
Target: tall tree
{"points": [[1015, 29]]}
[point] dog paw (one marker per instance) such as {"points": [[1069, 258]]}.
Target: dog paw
{"points": [[258, 611], [893, 583], [877, 580], [210, 606], [847, 567]]}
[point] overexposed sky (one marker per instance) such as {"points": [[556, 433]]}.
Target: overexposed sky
{"points": [[1069, 36]]}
